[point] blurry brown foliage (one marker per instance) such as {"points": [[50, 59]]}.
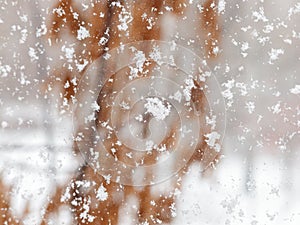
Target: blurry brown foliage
{"points": [[107, 212]]}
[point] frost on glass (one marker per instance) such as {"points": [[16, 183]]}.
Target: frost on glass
{"points": [[149, 112]]}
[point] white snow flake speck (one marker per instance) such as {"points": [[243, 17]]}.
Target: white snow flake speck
{"points": [[82, 33], [101, 193], [157, 108]]}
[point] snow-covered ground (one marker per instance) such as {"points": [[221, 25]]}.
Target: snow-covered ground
{"points": [[260, 187], [264, 191], [226, 198]]}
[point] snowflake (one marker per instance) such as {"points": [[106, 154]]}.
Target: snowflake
{"points": [[157, 108], [101, 193], [82, 33], [33, 54], [212, 139], [274, 54], [250, 106], [4, 70]]}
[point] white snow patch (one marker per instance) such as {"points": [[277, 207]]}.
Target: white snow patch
{"points": [[103, 41], [211, 121], [82, 33], [227, 93], [294, 10], [80, 67], [274, 54], [101, 194], [24, 34], [85, 216], [95, 106], [42, 30], [157, 108], [250, 106], [4, 70], [221, 6], [212, 139], [59, 11], [139, 60], [187, 92], [156, 55], [69, 52], [276, 108], [4, 124], [259, 15], [125, 18], [295, 90], [33, 54]]}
